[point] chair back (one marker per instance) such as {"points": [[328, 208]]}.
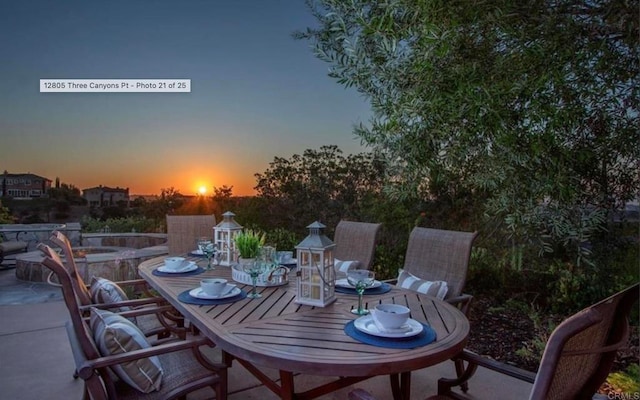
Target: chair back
{"points": [[184, 230], [79, 285], [581, 350], [81, 338], [356, 241], [440, 255]]}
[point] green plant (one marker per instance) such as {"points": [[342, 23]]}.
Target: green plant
{"points": [[282, 239], [249, 243], [627, 381]]}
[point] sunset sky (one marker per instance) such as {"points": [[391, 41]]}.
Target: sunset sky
{"points": [[256, 93]]}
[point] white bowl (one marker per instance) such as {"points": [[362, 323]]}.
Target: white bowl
{"points": [[174, 263], [390, 316], [213, 286]]}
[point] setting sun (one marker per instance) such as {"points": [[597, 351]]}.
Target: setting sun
{"points": [[202, 190]]}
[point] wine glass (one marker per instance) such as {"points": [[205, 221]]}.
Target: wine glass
{"points": [[360, 279], [254, 269], [208, 249]]}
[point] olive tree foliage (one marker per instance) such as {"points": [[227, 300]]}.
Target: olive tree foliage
{"points": [[322, 185], [530, 105]]}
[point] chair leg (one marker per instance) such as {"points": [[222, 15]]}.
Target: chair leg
{"points": [[459, 371]]}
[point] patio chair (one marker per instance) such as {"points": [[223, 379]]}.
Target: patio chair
{"points": [[163, 323], [356, 241], [576, 360], [184, 230], [184, 368], [435, 256]]}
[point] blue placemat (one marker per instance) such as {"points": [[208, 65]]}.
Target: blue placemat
{"points": [[428, 335], [196, 271], [185, 297], [384, 288]]}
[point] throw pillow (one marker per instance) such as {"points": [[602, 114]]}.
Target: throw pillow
{"points": [[104, 291], [342, 267], [115, 334], [436, 289]]}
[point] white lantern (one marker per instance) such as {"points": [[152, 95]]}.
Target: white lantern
{"points": [[224, 236], [316, 274]]}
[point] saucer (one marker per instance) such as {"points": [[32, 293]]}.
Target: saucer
{"points": [[198, 293], [365, 324], [191, 267], [345, 284]]}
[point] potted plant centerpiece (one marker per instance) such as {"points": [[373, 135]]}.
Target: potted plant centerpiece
{"points": [[248, 244]]}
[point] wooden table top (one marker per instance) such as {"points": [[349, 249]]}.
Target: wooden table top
{"points": [[274, 331]]}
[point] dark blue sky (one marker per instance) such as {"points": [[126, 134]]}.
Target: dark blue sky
{"points": [[256, 93]]}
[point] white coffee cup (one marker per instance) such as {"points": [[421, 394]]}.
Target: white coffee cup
{"points": [[390, 316], [213, 286], [174, 263]]}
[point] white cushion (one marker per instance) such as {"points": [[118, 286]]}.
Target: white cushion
{"points": [[115, 334], [436, 289], [345, 266]]}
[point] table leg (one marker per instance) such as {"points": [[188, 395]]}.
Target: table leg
{"points": [[286, 385], [401, 385]]}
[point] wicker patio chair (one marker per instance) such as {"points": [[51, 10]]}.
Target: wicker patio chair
{"points": [[165, 321], [184, 230], [356, 241], [185, 368], [577, 358], [441, 255]]}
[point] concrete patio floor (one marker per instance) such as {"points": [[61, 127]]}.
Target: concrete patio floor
{"points": [[36, 360]]}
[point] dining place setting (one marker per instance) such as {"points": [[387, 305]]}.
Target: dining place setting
{"points": [[389, 325]]}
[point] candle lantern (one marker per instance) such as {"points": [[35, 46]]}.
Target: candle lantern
{"points": [[224, 237], [316, 274]]}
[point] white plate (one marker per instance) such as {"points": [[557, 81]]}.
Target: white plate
{"points": [[199, 294], [345, 284], [365, 324], [191, 267]]}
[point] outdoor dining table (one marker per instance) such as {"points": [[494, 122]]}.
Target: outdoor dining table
{"points": [[275, 332]]}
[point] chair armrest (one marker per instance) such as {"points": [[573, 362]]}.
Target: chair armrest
{"points": [[498, 366], [127, 303], [463, 302], [474, 361], [132, 282], [136, 312]]}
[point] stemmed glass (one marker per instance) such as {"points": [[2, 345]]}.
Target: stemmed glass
{"points": [[254, 269], [360, 279], [207, 248]]}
